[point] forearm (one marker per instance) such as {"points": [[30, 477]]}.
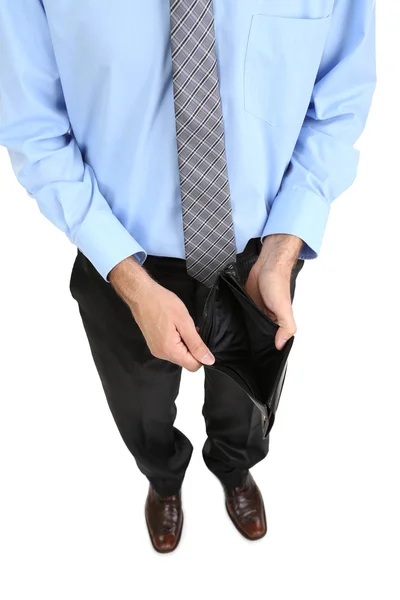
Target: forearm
{"points": [[279, 252], [130, 280]]}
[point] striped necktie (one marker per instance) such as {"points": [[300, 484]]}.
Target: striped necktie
{"points": [[206, 207]]}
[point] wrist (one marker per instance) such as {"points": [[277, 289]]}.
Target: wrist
{"points": [[280, 252], [128, 278]]}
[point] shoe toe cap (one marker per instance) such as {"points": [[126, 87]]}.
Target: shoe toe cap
{"points": [[255, 529], [165, 542]]}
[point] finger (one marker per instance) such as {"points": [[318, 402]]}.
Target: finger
{"points": [[174, 350], [255, 295], [271, 315], [252, 290], [194, 343], [181, 356], [287, 327], [189, 363]]}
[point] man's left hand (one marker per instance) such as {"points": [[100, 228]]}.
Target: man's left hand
{"points": [[268, 283]]}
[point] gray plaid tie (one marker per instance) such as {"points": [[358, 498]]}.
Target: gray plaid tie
{"points": [[206, 208]]}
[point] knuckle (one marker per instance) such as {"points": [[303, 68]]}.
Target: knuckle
{"points": [[289, 333], [165, 349], [174, 357], [159, 351], [196, 346]]}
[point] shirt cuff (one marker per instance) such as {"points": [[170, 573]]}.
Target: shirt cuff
{"points": [[105, 242], [301, 213]]}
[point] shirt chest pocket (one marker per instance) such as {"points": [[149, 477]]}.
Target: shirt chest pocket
{"points": [[282, 59]]}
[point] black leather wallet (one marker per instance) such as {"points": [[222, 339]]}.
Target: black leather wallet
{"points": [[242, 339]]}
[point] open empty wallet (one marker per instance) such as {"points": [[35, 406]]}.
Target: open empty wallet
{"points": [[242, 339]]}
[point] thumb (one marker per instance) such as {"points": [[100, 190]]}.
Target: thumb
{"points": [[195, 344], [287, 325]]}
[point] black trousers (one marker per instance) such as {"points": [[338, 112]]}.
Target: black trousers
{"points": [[141, 390]]}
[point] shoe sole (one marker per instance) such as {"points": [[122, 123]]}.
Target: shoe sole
{"points": [[251, 539], [159, 550]]}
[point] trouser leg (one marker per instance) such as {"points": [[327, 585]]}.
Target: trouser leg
{"points": [[140, 389], [234, 438]]}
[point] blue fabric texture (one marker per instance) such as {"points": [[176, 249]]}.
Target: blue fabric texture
{"points": [[87, 115]]}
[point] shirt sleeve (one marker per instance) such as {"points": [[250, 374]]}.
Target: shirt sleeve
{"points": [[324, 161], [45, 157]]}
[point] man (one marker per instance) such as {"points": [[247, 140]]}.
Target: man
{"points": [[166, 140]]}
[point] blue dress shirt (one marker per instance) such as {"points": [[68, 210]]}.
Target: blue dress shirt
{"points": [[87, 115]]}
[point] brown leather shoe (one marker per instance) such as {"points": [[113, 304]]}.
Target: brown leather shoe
{"points": [[245, 507], [164, 518]]}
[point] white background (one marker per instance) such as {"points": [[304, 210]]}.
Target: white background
{"points": [[71, 505]]}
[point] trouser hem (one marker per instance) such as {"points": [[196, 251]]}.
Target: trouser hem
{"points": [[231, 480], [166, 490]]}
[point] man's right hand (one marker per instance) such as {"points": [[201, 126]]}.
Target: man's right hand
{"points": [[164, 320]]}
